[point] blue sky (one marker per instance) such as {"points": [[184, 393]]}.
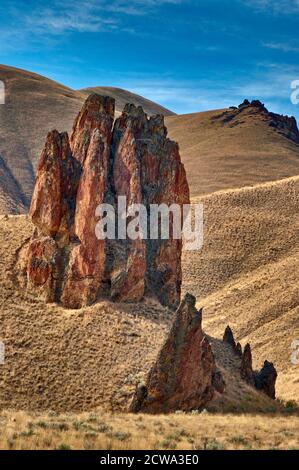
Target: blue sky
{"points": [[188, 55]]}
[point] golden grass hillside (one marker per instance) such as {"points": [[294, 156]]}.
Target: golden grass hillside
{"points": [[226, 149], [102, 431], [35, 105], [247, 273]]}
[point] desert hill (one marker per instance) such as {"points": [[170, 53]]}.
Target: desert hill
{"points": [[34, 106], [236, 147], [247, 273]]}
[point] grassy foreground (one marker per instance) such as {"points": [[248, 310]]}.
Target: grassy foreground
{"points": [[20, 430]]}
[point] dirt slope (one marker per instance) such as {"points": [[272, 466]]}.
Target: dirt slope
{"points": [[247, 273]]}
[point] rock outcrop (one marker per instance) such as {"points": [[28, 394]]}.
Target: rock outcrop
{"points": [[103, 160], [228, 337], [184, 376], [246, 365], [265, 379], [284, 124]]}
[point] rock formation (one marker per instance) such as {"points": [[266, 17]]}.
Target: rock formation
{"points": [[246, 365], [228, 337], [284, 124], [131, 157], [239, 351], [263, 380], [184, 376]]}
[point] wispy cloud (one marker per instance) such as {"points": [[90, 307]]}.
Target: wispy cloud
{"points": [[89, 15], [51, 20], [47, 21], [281, 46], [276, 6]]}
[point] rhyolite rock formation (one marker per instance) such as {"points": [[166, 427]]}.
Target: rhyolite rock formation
{"points": [[265, 379], [184, 376], [102, 160]]}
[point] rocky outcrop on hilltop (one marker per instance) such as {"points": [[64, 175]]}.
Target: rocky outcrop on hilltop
{"points": [[255, 109], [286, 125], [265, 379], [184, 376], [102, 160]]}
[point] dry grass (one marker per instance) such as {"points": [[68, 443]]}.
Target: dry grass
{"points": [[222, 155], [99, 430]]}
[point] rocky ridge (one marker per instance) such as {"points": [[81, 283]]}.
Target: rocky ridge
{"points": [[263, 380]]}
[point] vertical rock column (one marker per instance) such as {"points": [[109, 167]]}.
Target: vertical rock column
{"points": [[90, 143]]}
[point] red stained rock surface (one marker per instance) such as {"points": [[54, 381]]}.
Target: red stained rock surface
{"points": [[183, 374], [40, 265], [102, 160]]}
